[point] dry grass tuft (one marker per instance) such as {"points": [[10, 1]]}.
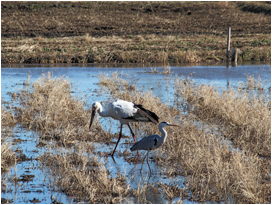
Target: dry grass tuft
{"points": [[166, 71], [84, 178], [7, 117], [114, 82], [139, 38], [7, 155], [87, 38], [154, 70], [244, 119], [51, 109], [252, 83]]}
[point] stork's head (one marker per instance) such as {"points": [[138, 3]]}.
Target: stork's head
{"points": [[95, 107]]}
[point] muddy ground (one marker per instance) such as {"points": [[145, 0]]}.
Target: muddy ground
{"points": [[28, 29]]}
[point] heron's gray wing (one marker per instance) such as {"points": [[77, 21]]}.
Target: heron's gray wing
{"points": [[146, 143]]}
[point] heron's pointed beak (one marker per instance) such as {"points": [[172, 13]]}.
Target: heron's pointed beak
{"points": [[92, 118], [174, 125]]}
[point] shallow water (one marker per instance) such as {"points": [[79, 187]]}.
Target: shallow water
{"points": [[85, 81], [41, 184]]}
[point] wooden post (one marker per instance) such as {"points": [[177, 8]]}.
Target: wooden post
{"points": [[228, 42], [234, 55]]}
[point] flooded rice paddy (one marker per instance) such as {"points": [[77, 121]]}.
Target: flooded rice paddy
{"points": [[34, 182]]}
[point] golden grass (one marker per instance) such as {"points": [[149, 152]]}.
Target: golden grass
{"points": [[7, 117], [80, 175], [242, 117], [84, 178], [245, 119], [115, 82], [51, 109], [166, 71], [215, 171], [7, 155]]}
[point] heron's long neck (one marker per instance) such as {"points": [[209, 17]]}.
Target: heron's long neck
{"points": [[164, 133]]}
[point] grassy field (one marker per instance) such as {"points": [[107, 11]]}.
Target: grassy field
{"points": [[133, 32]]}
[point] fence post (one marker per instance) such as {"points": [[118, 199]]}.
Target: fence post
{"points": [[234, 54], [228, 43]]}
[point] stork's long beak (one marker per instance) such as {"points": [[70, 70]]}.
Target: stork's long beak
{"points": [[92, 118]]}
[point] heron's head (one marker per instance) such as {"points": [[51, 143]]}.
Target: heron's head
{"points": [[163, 124], [95, 107]]}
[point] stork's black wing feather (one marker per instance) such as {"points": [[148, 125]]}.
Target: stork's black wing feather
{"points": [[144, 115]]}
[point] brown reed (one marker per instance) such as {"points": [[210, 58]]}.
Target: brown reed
{"points": [[51, 109], [84, 178]]}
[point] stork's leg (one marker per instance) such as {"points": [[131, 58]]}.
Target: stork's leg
{"points": [[133, 135], [120, 135]]}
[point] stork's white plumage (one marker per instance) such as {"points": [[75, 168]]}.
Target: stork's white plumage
{"points": [[152, 142], [125, 112]]}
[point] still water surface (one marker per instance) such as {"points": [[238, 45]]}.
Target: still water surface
{"points": [[85, 79]]}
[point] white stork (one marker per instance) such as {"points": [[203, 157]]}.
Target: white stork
{"points": [[152, 142], [125, 112]]}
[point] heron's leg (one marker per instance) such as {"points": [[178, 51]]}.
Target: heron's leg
{"points": [[144, 160], [120, 135], [148, 162], [133, 135]]}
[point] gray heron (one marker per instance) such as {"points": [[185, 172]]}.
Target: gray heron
{"points": [[125, 112], [152, 142]]}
